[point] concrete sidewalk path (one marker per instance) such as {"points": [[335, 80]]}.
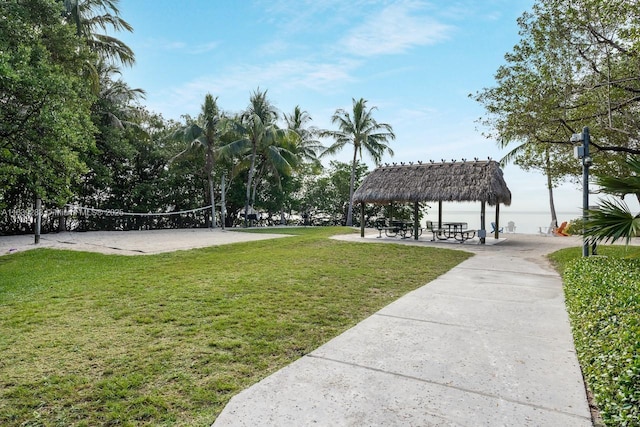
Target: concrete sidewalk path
{"points": [[486, 344]]}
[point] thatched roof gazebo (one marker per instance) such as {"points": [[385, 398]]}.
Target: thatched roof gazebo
{"points": [[464, 181]]}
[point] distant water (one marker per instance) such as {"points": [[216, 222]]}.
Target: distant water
{"points": [[526, 222]]}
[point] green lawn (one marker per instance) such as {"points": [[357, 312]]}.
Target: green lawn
{"points": [[603, 300], [90, 339]]}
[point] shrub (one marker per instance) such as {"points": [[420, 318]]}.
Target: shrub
{"points": [[575, 226], [603, 300]]}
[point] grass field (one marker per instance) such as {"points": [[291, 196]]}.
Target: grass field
{"points": [[90, 339]]}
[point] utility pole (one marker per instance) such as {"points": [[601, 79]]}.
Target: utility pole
{"points": [[582, 152]]}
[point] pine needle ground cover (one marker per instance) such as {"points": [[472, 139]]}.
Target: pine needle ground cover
{"points": [[91, 339], [603, 300]]}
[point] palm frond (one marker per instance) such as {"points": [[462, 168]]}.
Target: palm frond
{"points": [[236, 148], [612, 221]]}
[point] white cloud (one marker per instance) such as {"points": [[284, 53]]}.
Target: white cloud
{"points": [[395, 29], [234, 85], [203, 47], [180, 46]]}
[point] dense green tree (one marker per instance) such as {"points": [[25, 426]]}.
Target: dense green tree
{"points": [[107, 183], [574, 66], [45, 121], [363, 132], [328, 192]]}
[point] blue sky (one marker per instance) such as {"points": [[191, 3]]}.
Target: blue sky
{"points": [[416, 61]]}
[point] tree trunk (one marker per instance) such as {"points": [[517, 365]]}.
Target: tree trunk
{"points": [[209, 163], [213, 202], [552, 206], [351, 185], [249, 182]]}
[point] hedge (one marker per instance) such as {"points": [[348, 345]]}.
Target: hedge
{"points": [[603, 300]]}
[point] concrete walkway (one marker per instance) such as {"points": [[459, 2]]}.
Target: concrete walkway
{"points": [[486, 344]]}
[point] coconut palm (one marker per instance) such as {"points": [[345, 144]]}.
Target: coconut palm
{"points": [[363, 132], [205, 134], [91, 16], [115, 98], [260, 138], [613, 219], [307, 146]]}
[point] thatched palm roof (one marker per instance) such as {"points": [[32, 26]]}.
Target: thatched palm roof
{"points": [[430, 182]]}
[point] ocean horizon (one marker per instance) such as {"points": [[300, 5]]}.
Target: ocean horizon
{"points": [[526, 222]]}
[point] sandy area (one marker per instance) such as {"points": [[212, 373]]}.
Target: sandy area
{"points": [[131, 242]]}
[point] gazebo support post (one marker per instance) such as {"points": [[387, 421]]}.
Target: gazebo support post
{"points": [[496, 235], [439, 214], [416, 220], [361, 219], [483, 228]]}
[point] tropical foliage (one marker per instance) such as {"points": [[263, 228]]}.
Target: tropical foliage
{"points": [[603, 300], [45, 119], [205, 134], [363, 132], [613, 220], [573, 67]]}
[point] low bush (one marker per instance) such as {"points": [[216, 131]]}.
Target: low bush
{"points": [[603, 301]]}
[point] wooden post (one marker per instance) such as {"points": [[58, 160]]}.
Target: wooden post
{"points": [[416, 220], [483, 227], [361, 219], [497, 236], [38, 219]]}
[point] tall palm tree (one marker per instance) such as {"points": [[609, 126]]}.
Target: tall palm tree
{"points": [[91, 16], [363, 132], [260, 137], [613, 219], [205, 133], [308, 147]]}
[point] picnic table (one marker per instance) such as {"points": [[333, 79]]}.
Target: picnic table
{"points": [[395, 228], [453, 230]]}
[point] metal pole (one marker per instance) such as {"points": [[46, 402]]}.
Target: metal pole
{"points": [[586, 162]]}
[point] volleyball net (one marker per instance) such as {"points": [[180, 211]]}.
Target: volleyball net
{"points": [[74, 217]]}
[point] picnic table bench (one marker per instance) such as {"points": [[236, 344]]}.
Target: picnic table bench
{"points": [[402, 228], [453, 230]]}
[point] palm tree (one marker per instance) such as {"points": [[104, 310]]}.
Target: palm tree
{"points": [[260, 138], [115, 98], [205, 133], [307, 147], [362, 131], [613, 219], [90, 16]]}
